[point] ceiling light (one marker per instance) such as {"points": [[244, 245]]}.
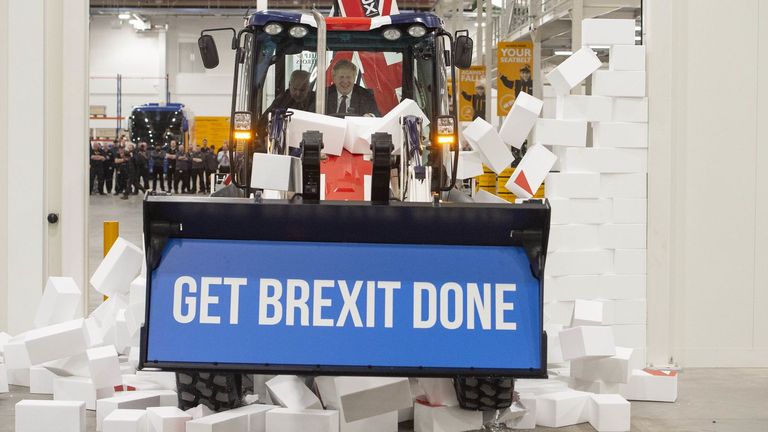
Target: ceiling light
{"points": [[563, 53], [124, 15]]}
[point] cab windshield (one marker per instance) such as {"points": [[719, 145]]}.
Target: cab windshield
{"points": [[374, 73]]}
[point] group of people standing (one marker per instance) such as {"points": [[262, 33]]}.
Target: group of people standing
{"points": [[173, 167]]}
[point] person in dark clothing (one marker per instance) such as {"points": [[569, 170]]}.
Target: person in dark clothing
{"points": [[183, 165], [121, 161], [478, 101], [134, 162], [210, 164], [170, 156], [346, 97], [141, 159], [197, 182], [298, 95], [156, 164], [97, 159], [109, 165], [524, 84]]}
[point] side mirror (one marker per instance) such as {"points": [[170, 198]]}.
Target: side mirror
{"points": [[462, 51], [208, 51]]}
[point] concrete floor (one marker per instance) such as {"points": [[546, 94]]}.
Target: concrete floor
{"points": [[710, 400], [717, 400]]}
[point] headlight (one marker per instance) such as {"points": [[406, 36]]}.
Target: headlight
{"points": [[298, 31], [417, 30], [392, 34], [242, 125], [446, 130], [273, 28]]}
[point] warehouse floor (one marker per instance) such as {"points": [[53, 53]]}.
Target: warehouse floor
{"points": [[710, 400]]}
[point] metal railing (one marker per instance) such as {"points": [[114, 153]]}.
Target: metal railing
{"points": [[520, 14]]}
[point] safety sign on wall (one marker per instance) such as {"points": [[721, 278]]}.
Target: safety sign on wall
{"points": [[471, 93], [515, 60], [213, 129]]}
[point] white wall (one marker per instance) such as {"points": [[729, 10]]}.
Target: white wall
{"points": [[708, 165], [43, 131], [119, 49]]}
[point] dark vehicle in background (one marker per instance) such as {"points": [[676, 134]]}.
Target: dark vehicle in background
{"points": [[153, 123]]}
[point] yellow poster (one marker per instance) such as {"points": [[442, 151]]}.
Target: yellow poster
{"points": [[213, 129], [515, 60], [471, 93]]}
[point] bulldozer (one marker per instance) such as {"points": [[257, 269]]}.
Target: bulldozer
{"points": [[416, 280]]}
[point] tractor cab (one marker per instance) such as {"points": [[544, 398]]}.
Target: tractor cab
{"points": [[392, 58]]}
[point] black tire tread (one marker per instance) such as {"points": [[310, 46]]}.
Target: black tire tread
{"points": [[484, 393], [217, 391]]}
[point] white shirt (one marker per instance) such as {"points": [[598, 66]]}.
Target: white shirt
{"points": [[339, 96]]}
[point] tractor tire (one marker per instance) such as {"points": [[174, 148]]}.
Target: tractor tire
{"points": [[217, 391], [484, 393]]}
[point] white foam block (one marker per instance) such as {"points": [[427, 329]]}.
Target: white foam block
{"points": [[585, 108], [573, 70], [605, 160], [621, 135], [629, 261], [127, 400], [290, 391], [116, 271], [554, 353], [428, 418], [629, 185], [623, 236], [560, 409], [60, 302], [75, 388], [104, 367], [483, 138], [653, 386], [390, 123], [540, 386], [274, 172], [333, 129], [134, 319], [15, 353], [618, 83], [573, 185], [41, 380], [520, 120], [531, 172], [587, 313], [363, 397], [630, 210], [131, 380], [439, 391], [56, 341], [126, 420], [166, 380], [613, 369], [578, 211], [558, 312], [4, 339], [225, 421], [292, 420], [328, 390], [257, 416], [569, 133], [630, 110], [627, 58], [630, 335], [137, 292], [587, 342], [587, 262], [3, 379], [470, 165], [528, 419], [18, 377], [47, 415], [166, 419], [599, 387], [607, 32], [609, 413], [625, 311], [572, 237], [355, 140], [123, 338], [481, 196]]}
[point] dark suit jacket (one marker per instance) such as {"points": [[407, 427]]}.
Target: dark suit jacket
{"points": [[362, 102]]}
